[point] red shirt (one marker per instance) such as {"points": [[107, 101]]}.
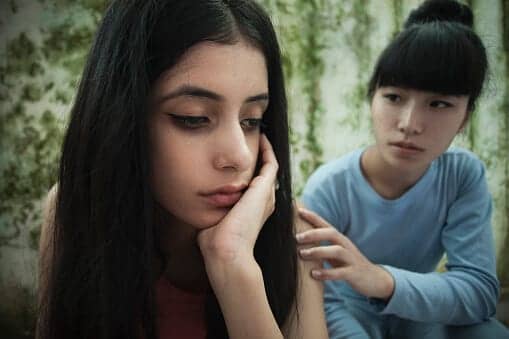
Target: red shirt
{"points": [[180, 314]]}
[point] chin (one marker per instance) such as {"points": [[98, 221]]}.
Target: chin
{"points": [[208, 220]]}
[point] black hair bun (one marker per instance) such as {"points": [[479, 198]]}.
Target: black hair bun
{"points": [[440, 10]]}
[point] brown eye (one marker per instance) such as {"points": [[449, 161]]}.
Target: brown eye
{"points": [[440, 104], [392, 97], [189, 122], [251, 124]]}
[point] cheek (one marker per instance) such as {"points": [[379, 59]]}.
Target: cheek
{"points": [[175, 178], [176, 158], [170, 157], [444, 132], [381, 123], [253, 143], [162, 171]]}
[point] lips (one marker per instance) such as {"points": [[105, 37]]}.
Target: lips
{"points": [[224, 196], [405, 150], [407, 146]]}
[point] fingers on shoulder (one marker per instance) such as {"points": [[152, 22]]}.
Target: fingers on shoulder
{"points": [[301, 224], [306, 266]]}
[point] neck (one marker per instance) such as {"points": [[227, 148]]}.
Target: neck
{"points": [[184, 266], [389, 181]]}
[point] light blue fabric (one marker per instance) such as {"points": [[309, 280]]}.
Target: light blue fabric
{"points": [[447, 211]]}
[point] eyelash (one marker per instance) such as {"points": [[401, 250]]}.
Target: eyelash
{"points": [[193, 122], [252, 124], [392, 97], [442, 103], [189, 122]]}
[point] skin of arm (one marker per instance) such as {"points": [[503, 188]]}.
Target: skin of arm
{"points": [[46, 242], [243, 280], [348, 263], [308, 321]]}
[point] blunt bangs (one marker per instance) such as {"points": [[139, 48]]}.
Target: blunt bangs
{"points": [[442, 57]]}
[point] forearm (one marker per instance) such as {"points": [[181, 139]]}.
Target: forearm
{"points": [[236, 284], [455, 298]]}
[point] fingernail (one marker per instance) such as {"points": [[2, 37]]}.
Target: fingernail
{"points": [[299, 237], [316, 273], [303, 210], [304, 251]]}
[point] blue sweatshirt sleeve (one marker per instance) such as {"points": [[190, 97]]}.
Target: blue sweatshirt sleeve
{"points": [[320, 196], [468, 291]]}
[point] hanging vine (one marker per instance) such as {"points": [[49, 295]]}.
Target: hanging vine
{"points": [[30, 128]]}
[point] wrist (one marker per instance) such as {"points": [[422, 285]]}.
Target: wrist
{"points": [[218, 251], [387, 284], [243, 269]]}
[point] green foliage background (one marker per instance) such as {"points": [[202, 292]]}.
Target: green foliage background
{"points": [[329, 47]]}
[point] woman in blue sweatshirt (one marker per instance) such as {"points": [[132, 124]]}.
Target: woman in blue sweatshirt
{"points": [[386, 214]]}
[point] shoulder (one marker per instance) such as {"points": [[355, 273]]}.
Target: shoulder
{"points": [[308, 319], [48, 219], [333, 173], [460, 155], [462, 163], [46, 240], [50, 199], [337, 167], [328, 189], [301, 225], [463, 174], [49, 207]]}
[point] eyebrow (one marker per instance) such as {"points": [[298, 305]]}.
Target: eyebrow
{"points": [[199, 92]]}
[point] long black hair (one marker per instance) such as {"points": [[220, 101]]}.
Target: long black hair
{"points": [[437, 51], [101, 273]]}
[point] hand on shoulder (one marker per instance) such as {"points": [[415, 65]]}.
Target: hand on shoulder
{"points": [[346, 260]]}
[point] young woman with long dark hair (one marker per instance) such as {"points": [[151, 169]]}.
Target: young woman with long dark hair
{"points": [[173, 213]]}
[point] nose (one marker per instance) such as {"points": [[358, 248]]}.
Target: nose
{"points": [[231, 149], [410, 120]]}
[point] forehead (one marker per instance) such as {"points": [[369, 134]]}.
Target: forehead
{"points": [[225, 69]]}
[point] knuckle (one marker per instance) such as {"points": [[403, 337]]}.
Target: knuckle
{"points": [[337, 251], [337, 237], [331, 233]]}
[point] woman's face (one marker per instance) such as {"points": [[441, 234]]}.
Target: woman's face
{"points": [[413, 127], [205, 129]]}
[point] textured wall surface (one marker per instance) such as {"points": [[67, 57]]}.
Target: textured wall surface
{"points": [[329, 49]]}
